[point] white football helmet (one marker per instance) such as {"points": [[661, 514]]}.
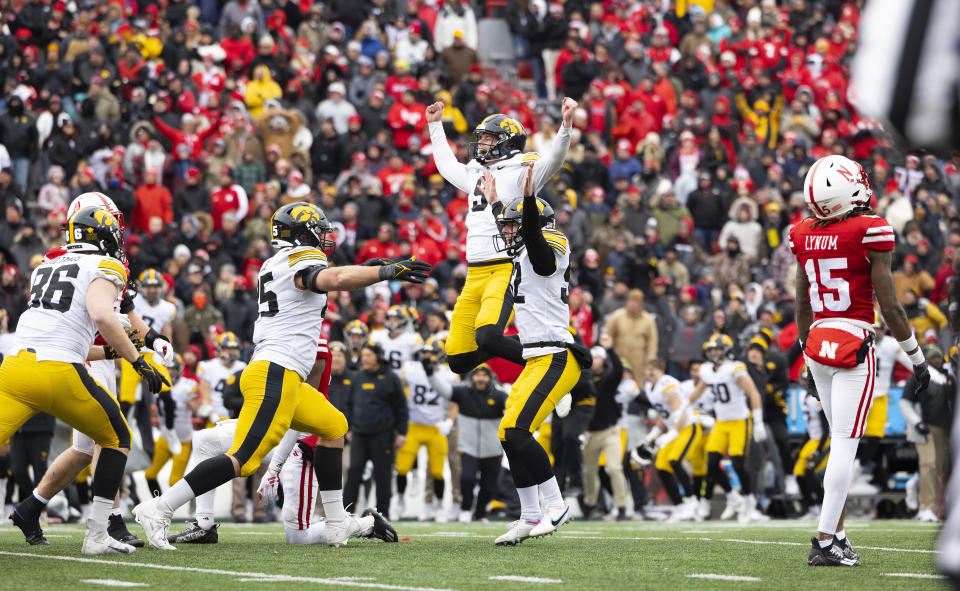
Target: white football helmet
{"points": [[835, 185], [94, 199]]}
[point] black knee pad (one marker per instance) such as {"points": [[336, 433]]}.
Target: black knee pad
{"points": [[462, 363], [488, 335]]}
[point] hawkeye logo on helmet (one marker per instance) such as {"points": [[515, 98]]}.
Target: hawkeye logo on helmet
{"points": [[304, 214], [103, 216], [510, 125]]}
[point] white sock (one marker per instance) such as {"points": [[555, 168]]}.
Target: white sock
{"points": [[332, 501], [100, 511], [530, 503], [836, 482], [116, 511], [552, 498], [36, 495], [205, 521], [176, 495], [840, 535], [825, 543]]}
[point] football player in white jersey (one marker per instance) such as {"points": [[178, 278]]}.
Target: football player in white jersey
{"points": [[429, 425], [813, 455], [484, 305], [75, 459], [735, 400], [888, 354], [293, 286], [399, 343], [184, 396], [214, 374], [675, 435], [72, 297], [541, 273]]}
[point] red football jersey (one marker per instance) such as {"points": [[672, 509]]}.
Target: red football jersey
{"points": [[835, 261]]}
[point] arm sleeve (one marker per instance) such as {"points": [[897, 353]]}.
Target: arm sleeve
{"points": [[283, 449], [449, 168], [545, 168], [541, 255]]}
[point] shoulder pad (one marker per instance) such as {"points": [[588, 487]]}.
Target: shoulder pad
{"points": [[556, 239], [299, 255], [529, 158], [113, 267]]}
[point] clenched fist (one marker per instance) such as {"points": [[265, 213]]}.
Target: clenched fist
{"points": [[435, 112], [567, 109]]}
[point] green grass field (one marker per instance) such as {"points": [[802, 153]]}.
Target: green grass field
{"points": [[584, 555]]}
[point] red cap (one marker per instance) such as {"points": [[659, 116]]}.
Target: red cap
{"points": [[597, 192], [10, 270], [377, 94], [911, 258], [59, 6], [483, 89], [633, 189], [359, 157], [661, 281], [623, 144], [355, 119], [591, 256], [473, 68], [415, 28], [596, 84], [88, 171]]}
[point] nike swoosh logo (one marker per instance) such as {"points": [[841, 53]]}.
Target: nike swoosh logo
{"points": [[556, 521]]}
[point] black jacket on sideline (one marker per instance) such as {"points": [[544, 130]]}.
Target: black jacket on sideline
{"points": [[607, 412], [377, 403]]}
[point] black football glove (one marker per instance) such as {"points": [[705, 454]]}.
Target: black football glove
{"points": [[922, 428], [126, 304], [153, 379], [922, 373], [429, 365], [410, 270], [377, 262]]}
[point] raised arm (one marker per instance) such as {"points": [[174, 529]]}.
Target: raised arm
{"points": [[546, 167], [449, 168]]}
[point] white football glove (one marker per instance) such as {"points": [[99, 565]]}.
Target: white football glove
{"points": [[666, 438], [445, 426], [706, 421], [267, 493], [759, 430], [563, 405], [204, 411], [163, 348], [124, 321], [173, 442]]}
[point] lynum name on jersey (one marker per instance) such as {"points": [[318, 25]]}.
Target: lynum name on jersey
{"points": [[820, 242]]}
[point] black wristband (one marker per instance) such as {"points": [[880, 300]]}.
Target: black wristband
{"points": [[152, 336]]}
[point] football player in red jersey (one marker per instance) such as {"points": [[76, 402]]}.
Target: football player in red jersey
{"points": [[844, 252]]}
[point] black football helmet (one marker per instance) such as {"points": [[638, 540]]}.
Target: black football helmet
{"points": [[511, 138], [301, 224], [94, 229], [513, 212]]}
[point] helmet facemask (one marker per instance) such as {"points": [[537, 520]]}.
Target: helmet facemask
{"points": [[509, 240], [489, 146]]}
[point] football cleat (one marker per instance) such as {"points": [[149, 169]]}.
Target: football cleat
{"points": [[337, 533], [30, 526], [747, 506], [734, 501], [155, 522], [832, 555], [465, 517], [429, 511], [382, 530], [686, 511], [703, 509], [117, 530], [98, 541], [401, 505], [518, 532], [847, 549], [196, 535], [550, 522]]}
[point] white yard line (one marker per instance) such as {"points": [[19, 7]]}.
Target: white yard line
{"points": [[913, 575], [216, 571], [113, 583], [518, 579], [724, 577]]}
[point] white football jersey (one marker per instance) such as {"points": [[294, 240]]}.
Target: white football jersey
{"points": [[183, 391], [215, 373], [889, 354], [289, 319], [481, 221], [156, 316], [56, 324], [659, 397], [811, 413], [398, 350], [427, 406], [540, 303], [729, 399]]}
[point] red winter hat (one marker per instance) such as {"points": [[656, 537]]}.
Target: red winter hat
{"points": [[59, 6], [193, 173], [355, 119], [415, 28]]}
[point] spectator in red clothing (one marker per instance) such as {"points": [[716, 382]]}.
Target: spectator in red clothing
{"points": [[581, 315], [187, 134], [406, 118], [382, 247], [153, 200], [941, 281], [395, 174], [423, 246], [239, 50], [401, 81], [228, 196], [635, 123]]}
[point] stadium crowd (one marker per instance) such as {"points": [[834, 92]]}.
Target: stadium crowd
{"points": [[697, 123]]}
